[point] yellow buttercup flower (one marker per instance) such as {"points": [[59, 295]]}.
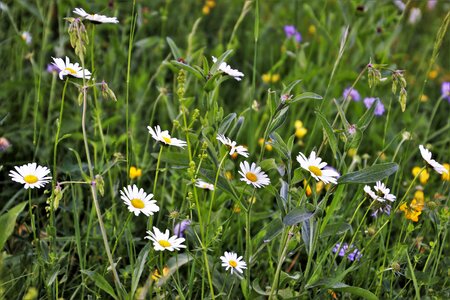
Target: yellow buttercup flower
{"points": [[424, 98], [269, 146], [206, 10], [300, 131], [265, 78], [135, 172], [433, 74], [413, 211], [351, 152], [228, 175], [423, 177], [270, 78], [419, 196], [312, 29], [275, 78]]}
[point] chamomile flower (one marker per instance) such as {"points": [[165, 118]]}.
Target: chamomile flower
{"points": [[69, 69], [96, 19], [317, 169], [138, 201], [164, 137], [381, 194], [31, 175], [231, 261], [253, 175], [241, 150], [204, 185], [236, 74], [426, 155], [163, 241]]}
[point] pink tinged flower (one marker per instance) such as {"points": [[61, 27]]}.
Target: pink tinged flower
{"points": [[351, 94], [290, 31], [379, 108]]}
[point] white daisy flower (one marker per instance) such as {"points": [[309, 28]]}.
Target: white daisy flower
{"points": [[426, 155], [26, 37], [381, 194], [232, 262], [236, 74], [241, 150], [316, 167], [164, 136], [138, 201], [204, 185], [162, 241], [96, 19], [253, 175], [69, 69], [31, 175]]}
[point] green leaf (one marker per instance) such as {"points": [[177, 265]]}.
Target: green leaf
{"points": [[269, 232], [357, 291], [306, 95], [226, 122], [173, 47], [332, 140], [139, 268], [278, 120], [8, 221], [188, 68], [176, 158], [371, 174], [365, 120], [296, 216], [335, 229], [288, 89], [174, 263], [280, 145], [100, 282]]}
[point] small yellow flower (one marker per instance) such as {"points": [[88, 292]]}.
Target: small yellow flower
{"points": [[135, 172], [424, 98], [446, 176], [275, 78], [301, 132], [206, 10], [419, 196], [228, 175], [312, 29], [269, 146], [319, 186], [410, 212], [236, 209], [351, 152], [266, 78], [415, 171], [433, 74], [210, 3], [423, 177], [308, 190], [298, 124]]}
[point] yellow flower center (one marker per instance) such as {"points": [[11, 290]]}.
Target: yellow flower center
{"points": [[251, 176], [71, 71], [315, 170], [30, 179], [167, 139], [233, 263], [138, 203], [164, 243]]}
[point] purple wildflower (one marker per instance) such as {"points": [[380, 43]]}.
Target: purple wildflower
{"points": [[344, 249], [383, 208], [445, 88], [351, 93], [355, 255], [379, 108], [351, 129], [291, 31], [51, 68], [181, 227], [341, 250]]}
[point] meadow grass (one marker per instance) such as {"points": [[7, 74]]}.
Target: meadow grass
{"points": [[178, 175]]}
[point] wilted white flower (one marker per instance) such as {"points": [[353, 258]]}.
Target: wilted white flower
{"points": [[204, 185], [426, 155], [97, 19], [381, 194], [241, 150], [236, 74]]}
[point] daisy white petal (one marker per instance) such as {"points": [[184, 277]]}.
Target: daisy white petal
{"points": [[163, 241], [230, 261], [95, 18], [253, 175], [318, 169], [426, 155], [31, 175], [204, 185], [241, 150], [138, 201], [236, 74], [164, 137], [66, 68], [381, 192]]}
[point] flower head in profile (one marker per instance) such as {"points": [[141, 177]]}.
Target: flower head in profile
{"points": [[381, 193], [351, 93], [26, 37], [241, 150], [66, 68], [230, 261], [236, 74], [445, 89], [138, 201], [163, 241], [31, 175], [253, 175], [164, 137], [426, 155], [204, 185], [317, 168], [379, 107], [291, 32], [181, 227], [95, 18]]}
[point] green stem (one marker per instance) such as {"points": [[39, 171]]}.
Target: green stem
{"points": [[283, 251], [121, 232], [215, 188]]}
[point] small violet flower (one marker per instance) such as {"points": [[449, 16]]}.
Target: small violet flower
{"points": [[343, 249], [379, 108], [445, 89], [51, 68], [351, 94], [291, 31], [181, 227]]}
